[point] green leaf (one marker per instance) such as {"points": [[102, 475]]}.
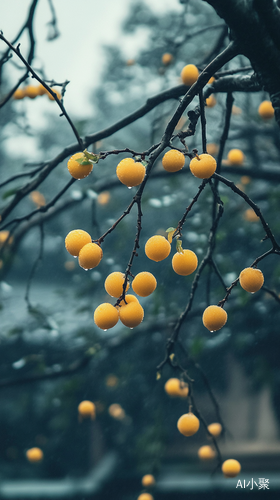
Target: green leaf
{"points": [[179, 246], [91, 156], [9, 193], [170, 229]]}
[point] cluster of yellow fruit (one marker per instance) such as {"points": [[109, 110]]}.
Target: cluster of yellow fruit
{"points": [[215, 317], [129, 311], [201, 166], [79, 244], [188, 424], [33, 91], [148, 481]]}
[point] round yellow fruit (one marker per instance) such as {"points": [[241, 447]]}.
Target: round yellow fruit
{"points": [[188, 424], [130, 173], [116, 411], [131, 314], [144, 284], [250, 215], [214, 318], [145, 496], [204, 166], [76, 170], [41, 90], [231, 468], [157, 248], [184, 263], [189, 74], [176, 388], [251, 279], [266, 110], [114, 284], [148, 480], [212, 148], [215, 429], [75, 240], [211, 101], [31, 91], [90, 256], [34, 455], [206, 453], [173, 160], [128, 298], [86, 409], [166, 58], [235, 157], [50, 96], [19, 94], [106, 316]]}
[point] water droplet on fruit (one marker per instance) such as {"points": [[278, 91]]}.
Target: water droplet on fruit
{"points": [[129, 187], [105, 329], [211, 331], [130, 328]]}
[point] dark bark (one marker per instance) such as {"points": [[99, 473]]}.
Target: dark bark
{"points": [[257, 36]]}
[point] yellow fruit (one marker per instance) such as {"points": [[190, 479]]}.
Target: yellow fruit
{"points": [[157, 248], [38, 198], [5, 238], [211, 101], [166, 58], [87, 409], [41, 90], [130, 173], [236, 110], [212, 148], [245, 179], [204, 166], [116, 411], [19, 94], [114, 284], [214, 318], [112, 381], [144, 284], [215, 429], [75, 240], [31, 91], [206, 453], [231, 468], [212, 79], [188, 424], [51, 98], [176, 388], [251, 279], [145, 496], [250, 215], [173, 160], [235, 157], [131, 314], [266, 110], [128, 298], [189, 74], [76, 170], [184, 263], [103, 198], [90, 256], [34, 455], [148, 480], [106, 316]]}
